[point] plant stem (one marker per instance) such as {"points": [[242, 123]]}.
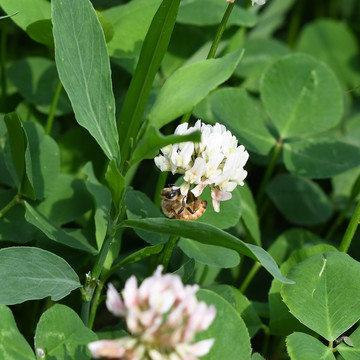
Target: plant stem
{"points": [[2, 63], [220, 32], [269, 171], [256, 267], [95, 303], [165, 255], [350, 231], [50, 119], [15, 200], [214, 46], [159, 186]]}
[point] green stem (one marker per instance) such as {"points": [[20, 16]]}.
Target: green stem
{"points": [[256, 267], [50, 119], [15, 200], [265, 346], [95, 303], [165, 255], [204, 274], [85, 308], [159, 186], [220, 32], [269, 172], [350, 231], [214, 46]]}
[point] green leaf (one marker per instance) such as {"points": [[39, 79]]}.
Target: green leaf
{"points": [[41, 31], [320, 157], [13, 345], [259, 54], [13, 226], [242, 305], [45, 159], [20, 164], [84, 70], [61, 334], [148, 147], [130, 22], [30, 273], [301, 201], [192, 12], [73, 196], [37, 80], [333, 42], [234, 108], [209, 254], [227, 321], [102, 199], [301, 95], [139, 206], [27, 11], [179, 95], [349, 352], [249, 214], [207, 234], [281, 320], [302, 346], [257, 356], [152, 52], [69, 237], [314, 298]]}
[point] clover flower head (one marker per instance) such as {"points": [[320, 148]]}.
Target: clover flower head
{"points": [[163, 316], [259, 2], [216, 160]]}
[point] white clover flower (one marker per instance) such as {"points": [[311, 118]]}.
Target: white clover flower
{"points": [[259, 2], [163, 316], [216, 161]]}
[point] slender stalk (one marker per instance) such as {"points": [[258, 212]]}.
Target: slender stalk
{"points": [[269, 172], [50, 119], [165, 255], [159, 186], [220, 32], [265, 346], [15, 200], [204, 274], [256, 267], [95, 303], [85, 307], [350, 231]]}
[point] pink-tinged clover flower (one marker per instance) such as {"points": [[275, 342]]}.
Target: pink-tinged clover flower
{"points": [[216, 161], [162, 315]]}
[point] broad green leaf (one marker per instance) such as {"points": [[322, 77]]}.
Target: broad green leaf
{"points": [[192, 12], [234, 108], [302, 346], [69, 237], [249, 214], [74, 198], [227, 323], [325, 294], [27, 11], [289, 241], [152, 52], [259, 53], [139, 206], [207, 234], [281, 320], [41, 31], [209, 254], [13, 226], [230, 210], [301, 95], [84, 70], [30, 273], [102, 199], [148, 147], [301, 201], [13, 345], [17, 156], [45, 159], [333, 42], [351, 352], [320, 157], [186, 271], [36, 79], [271, 18], [352, 130], [61, 334], [179, 95], [242, 305], [136, 16], [257, 356]]}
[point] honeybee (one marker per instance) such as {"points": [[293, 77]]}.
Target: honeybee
{"points": [[175, 205]]}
